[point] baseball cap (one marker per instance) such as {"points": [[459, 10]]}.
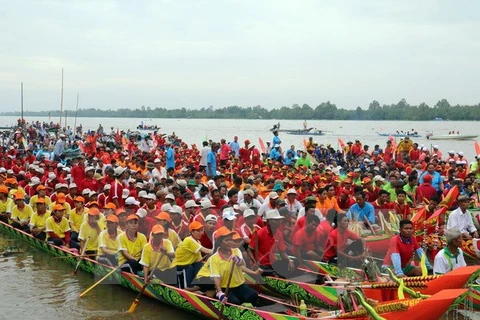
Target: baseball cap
{"points": [[58, 207], [211, 217], [131, 200], [248, 213], [273, 214], [273, 195], [205, 204], [195, 225], [132, 217], [228, 214], [223, 232], [112, 218], [158, 229], [191, 204]]}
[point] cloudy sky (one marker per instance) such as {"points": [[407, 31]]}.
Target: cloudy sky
{"points": [[194, 53]]}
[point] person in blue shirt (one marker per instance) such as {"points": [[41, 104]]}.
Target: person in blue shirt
{"points": [[212, 161], [361, 209], [235, 146], [170, 155], [276, 139], [437, 181], [275, 153]]}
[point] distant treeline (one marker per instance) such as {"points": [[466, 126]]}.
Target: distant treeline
{"points": [[326, 110]]}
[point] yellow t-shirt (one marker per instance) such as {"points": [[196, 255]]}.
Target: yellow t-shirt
{"points": [[76, 220], [188, 252], [217, 267], [174, 238], [58, 228], [39, 221], [33, 202], [133, 247], [22, 215], [149, 257], [67, 208], [6, 206], [87, 232], [105, 241], [102, 222], [13, 191]]}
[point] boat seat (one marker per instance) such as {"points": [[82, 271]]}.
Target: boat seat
{"points": [[276, 308], [181, 279]]}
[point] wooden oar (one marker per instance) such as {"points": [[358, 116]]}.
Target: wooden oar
{"points": [[84, 256], [98, 282], [81, 254], [137, 299], [227, 289]]}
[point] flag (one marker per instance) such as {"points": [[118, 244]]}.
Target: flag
{"points": [[450, 198], [341, 143], [262, 145], [418, 219]]}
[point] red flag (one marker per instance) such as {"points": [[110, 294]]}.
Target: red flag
{"points": [[477, 147], [418, 219], [450, 198], [341, 143], [262, 145]]}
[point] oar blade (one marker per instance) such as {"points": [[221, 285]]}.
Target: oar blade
{"points": [[133, 306]]}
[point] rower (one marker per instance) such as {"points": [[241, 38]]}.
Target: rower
{"points": [[309, 240], [159, 249], [461, 219], [21, 212], [400, 253], [130, 245], [39, 220], [206, 240], [107, 242], [57, 228], [266, 242], [450, 257], [41, 193], [188, 256], [122, 219], [217, 270], [337, 248], [90, 230], [164, 220], [6, 204], [76, 217]]}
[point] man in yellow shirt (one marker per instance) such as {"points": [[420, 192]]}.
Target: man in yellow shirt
{"points": [[107, 242], [6, 204], [76, 216], [159, 252], [38, 220], [89, 232], [41, 193], [130, 246], [21, 213], [57, 227]]}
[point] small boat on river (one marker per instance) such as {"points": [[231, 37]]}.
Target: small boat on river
{"points": [[452, 136], [399, 135]]}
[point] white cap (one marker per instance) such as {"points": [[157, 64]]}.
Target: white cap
{"points": [[182, 183], [125, 193], [92, 193], [228, 214], [242, 207], [157, 160], [142, 213], [176, 209], [451, 152], [248, 213], [51, 176], [424, 149], [249, 192], [118, 171], [292, 191], [273, 195], [142, 194], [151, 196], [460, 153], [40, 170], [435, 147], [191, 204], [60, 165], [211, 217], [378, 178], [67, 169], [107, 187], [86, 191], [90, 168], [131, 200], [63, 185], [273, 214], [166, 207], [34, 181], [205, 204], [139, 185], [170, 196]]}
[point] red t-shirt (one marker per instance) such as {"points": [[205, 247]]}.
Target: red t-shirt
{"points": [[305, 241], [268, 245], [337, 241], [405, 249]]}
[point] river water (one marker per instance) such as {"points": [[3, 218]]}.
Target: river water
{"points": [[196, 130], [37, 287]]}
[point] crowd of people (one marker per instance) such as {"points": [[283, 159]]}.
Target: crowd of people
{"points": [[154, 204]]}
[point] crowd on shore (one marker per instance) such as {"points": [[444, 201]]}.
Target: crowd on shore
{"points": [[150, 202]]}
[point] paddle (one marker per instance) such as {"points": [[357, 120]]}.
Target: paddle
{"points": [[69, 256], [81, 254], [221, 316], [98, 282], [137, 299]]}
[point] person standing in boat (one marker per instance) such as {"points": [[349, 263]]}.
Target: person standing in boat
{"points": [[401, 251], [130, 245], [450, 257]]}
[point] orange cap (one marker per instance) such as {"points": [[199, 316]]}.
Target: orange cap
{"points": [[366, 180], [79, 199], [223, 232], [236, 236], [3, 189], [94, 212], [61, 198], [93, 203], [132, 217], [58, 207], [163, 216], [120, 211], [41, 200], [195, 225], [41, 187], [112, 218], [158, 229], [18, 196], [110, 205]]}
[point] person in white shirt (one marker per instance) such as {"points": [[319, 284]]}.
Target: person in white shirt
{"points": [[291, 203], [248, 200], [461, 219], [450, 257], [158, 172], [203, 155]]}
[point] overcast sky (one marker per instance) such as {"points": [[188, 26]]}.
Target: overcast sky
{"points": [[193, 54]]}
